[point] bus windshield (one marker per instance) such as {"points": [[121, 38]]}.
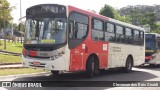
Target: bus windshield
{"points": [[45, 31], [150, 44]]}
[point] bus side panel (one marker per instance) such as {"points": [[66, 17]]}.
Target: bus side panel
{"points": [[76, 60], [79, 56], [101, 50], [118, 54]]}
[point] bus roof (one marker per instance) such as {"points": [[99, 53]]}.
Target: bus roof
{"points": [[107, 18], [126, 24], [156, 34]]}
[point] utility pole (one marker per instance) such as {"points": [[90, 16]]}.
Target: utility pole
{"points": [[4, 34], [1, 28], [20, 19]]}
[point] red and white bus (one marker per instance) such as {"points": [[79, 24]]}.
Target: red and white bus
{"points": [[67, 39], [152, 52]]}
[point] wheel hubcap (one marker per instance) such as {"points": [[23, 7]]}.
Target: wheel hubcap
{"points": [[129, 65], [93, 67]]}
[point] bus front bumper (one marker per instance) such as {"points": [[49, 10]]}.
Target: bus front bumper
{"points": [[47, 64]]}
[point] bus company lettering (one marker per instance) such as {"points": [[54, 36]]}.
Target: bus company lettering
{"points": [[116, 49]]}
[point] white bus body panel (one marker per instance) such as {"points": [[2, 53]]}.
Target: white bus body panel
{"points": [[118, 53]]}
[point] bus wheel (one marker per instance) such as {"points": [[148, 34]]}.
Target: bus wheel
{"points": [[54, 72], [92, 67], [129, 65]]}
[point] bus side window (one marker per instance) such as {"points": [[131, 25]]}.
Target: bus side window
{"points": [[158, 45], [129, 36], [133, 37], [81, 30], [97, 30], [78, 26], [120, 34], [109, 32], [136, 37], [158, 42], [71, 29]]}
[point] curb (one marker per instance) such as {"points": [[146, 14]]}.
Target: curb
{"points": [[12, 53], [9, 52], [11, 66], [21, 75], [9, 63]]}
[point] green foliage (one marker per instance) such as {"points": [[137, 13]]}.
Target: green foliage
{"points": [[22, 26], [108, 11], [156, 28], [113, 13], [12, 47], [155, 31], [5, 13], [125, 19], [15, 26], [142, 15], [10, 59]]}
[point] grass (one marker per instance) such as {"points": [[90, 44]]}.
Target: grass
{"points": [[10, 59], [12, 47], [4, 72]]}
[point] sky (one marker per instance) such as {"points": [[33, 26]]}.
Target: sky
{"points": [[95, 5]]}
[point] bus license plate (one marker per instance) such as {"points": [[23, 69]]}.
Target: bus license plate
{"points": [[43, 54], [36, 63]]}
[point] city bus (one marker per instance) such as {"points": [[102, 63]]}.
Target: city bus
{"points": [[63, 38], [152, 52]]}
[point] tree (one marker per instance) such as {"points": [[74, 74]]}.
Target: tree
{"points": [[111, 12], [142, 14], [15, 27], [5, 13], [125, 19], [156, 28], [22, 27], [5, 16]]}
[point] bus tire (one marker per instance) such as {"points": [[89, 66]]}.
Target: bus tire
{"points": [[128, 65], [54, 72], [92, 67]]}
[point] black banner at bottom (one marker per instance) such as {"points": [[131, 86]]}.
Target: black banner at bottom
{"points": [[79, 84]]}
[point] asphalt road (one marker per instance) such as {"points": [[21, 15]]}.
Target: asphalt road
{"points": [[145, 73]]}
